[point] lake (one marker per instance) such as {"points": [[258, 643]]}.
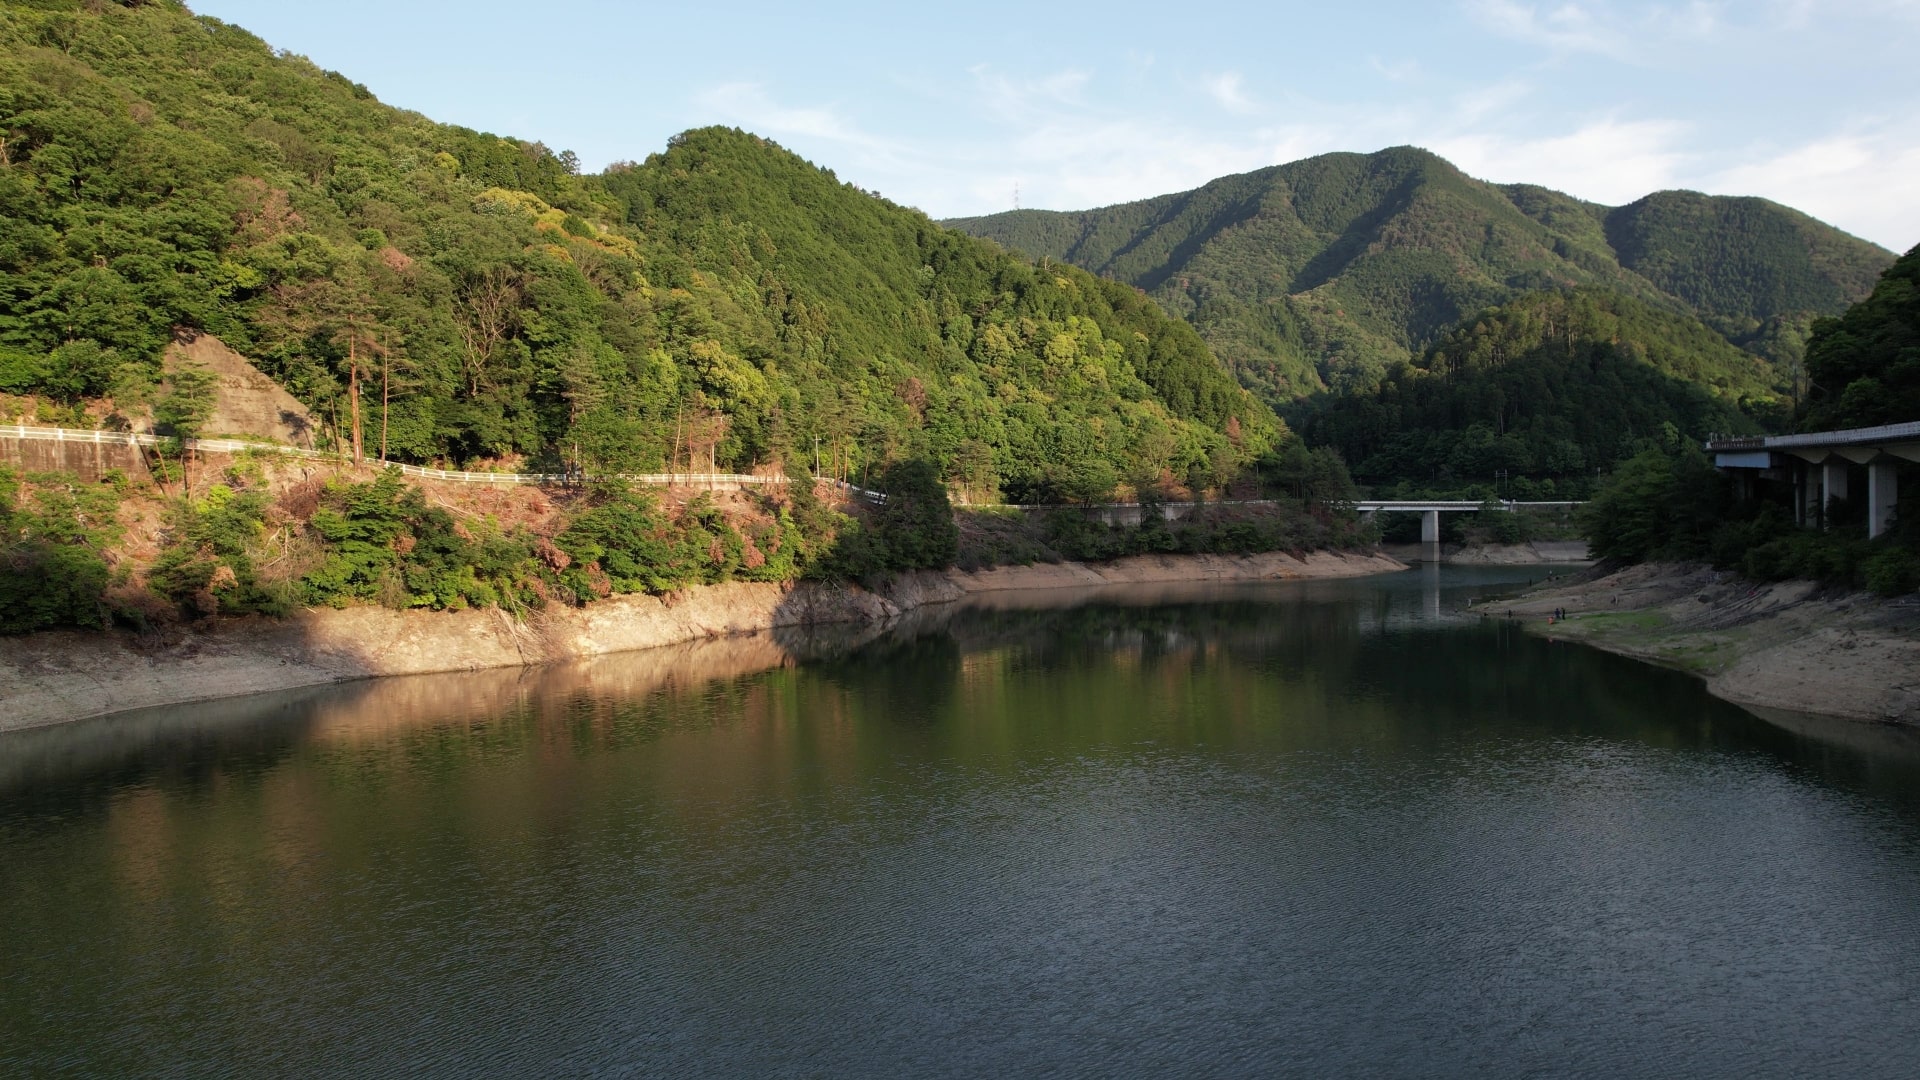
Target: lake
{"points": [[1298, 829]]}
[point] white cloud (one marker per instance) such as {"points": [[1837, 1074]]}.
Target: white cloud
{"points": [[1867, 183], [1695, 21], [1068, 153], [1010, 97], [1484, 102], [747, 105], [1611, 161], [1057, 137], [1404, 71], [1633, 35], [1565, 27], [1229, 89]]}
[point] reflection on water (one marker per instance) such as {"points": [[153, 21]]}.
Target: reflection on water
{"points": [[1307, 828]]}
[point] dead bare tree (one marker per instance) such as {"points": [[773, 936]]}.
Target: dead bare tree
{"points": [[489, 309]]}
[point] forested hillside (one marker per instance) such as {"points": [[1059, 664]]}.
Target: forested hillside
{"points": [[1543, 393], [1321, 274], [1755, 271], [1864, 370], [1864, 366], [457, 296]]}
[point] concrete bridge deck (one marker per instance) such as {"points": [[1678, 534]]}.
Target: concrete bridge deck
{"points": [[1131, 513], [1819, 464], [1431, 509]]}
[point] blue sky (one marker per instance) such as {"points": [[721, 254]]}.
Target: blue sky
{"points": [[950, 108]]}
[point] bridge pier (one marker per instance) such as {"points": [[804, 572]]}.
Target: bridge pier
{"points": [[1833, 485], [1883, 491], [1429, 526], [1809, 501], [1814, 465]]}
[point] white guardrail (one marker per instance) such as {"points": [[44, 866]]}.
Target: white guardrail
{"points": [[234, 446]]}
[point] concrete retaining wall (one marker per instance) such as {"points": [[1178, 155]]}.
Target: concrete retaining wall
{"points": [[91, 461]]}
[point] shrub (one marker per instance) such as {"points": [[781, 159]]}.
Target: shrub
{"points": [[208, 565], [53, 533], [384, 543], [1892, 572], [1656, 506], [628, 543]]}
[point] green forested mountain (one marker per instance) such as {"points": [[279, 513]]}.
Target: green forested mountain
{"points": [[720, 302], [1864, 367], [1754, 270], [1544, 391], [1322, 273]]}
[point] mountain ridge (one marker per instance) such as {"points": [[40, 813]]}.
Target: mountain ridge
{"points": [[1318, 274]]}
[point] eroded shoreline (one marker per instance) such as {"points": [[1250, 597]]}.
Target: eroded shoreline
{"points": [[1786, 646], [53, 678]]}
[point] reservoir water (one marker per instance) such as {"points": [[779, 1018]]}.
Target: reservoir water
{"points": [[1308, 829]]}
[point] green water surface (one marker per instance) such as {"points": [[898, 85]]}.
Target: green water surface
{"points": [[1299, 829]]}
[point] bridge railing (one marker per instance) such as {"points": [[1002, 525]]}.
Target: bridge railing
{"points": [[1450, 506]]}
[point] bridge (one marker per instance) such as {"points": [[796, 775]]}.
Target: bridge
{"points": [[1819, 466], [1131, 513], [1431, 509]]}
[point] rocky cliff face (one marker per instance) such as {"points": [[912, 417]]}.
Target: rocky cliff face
{"points": [[247, 402]]}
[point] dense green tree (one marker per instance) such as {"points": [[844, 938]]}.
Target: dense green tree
{"points": [[1864, 366], [184, 408], [1316, 477], [1551, 387], [1657, 504], [53, 542], [914, 527]]}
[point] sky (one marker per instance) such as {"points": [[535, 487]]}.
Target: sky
{"points": [[972, 109]]}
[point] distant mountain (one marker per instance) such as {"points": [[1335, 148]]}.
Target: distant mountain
{"points": [[1320, 274]]}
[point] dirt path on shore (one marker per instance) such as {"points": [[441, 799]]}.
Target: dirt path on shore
{"points": [[54, 677], [1789, 645]]}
